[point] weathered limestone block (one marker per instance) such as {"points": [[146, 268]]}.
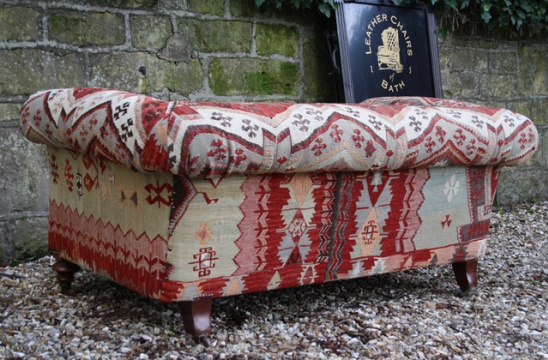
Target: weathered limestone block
{"points": [[211, 36], [316, 69], [464, 84], [172, 5], [277, 39], [234, 76], [25, 71], [9, 112], [19, 23], [247, 9], [522, 184], [539, 112], [30, 237], [150, 32], [540, 159], [503, 62], [469, 60], [128, 4], [178, 48], [92, 28], [533, 76], [145, 73], [499, 86], [213, 7], [6, 242], [24, 181]]}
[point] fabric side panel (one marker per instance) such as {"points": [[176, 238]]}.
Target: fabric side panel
{"points": [[110, 219]]}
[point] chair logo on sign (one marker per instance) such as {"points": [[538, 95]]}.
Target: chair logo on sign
{"points": [[386, 29]]}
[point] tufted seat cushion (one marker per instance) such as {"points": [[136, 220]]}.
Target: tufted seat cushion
{"points": [[209, 138]]}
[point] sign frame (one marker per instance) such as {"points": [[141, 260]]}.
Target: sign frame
{"points": [[390, 72]]}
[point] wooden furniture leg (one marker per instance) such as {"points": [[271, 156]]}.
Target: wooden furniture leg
{"points": [[466, 273], [197, 318], [65, 273]]}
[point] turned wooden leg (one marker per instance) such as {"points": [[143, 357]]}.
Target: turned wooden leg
{"points": [[466, 273], [65, 273], [197, 318]]}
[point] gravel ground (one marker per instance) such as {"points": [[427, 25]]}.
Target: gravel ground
{"points": [[416, 314]]}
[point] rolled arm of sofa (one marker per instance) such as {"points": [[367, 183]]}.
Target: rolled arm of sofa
{"points": [[210, 138]]}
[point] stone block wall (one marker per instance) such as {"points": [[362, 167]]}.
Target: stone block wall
{"points": [[224, 50], [509, 74]]}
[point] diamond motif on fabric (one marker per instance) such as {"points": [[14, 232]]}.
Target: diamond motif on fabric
{"points": [[452, 187], [79, 186], [297, 226], [369, 233], [129, 196], [295, 244], [203, 233]]}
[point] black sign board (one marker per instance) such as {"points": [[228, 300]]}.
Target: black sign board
{"points": [[387, 50]]}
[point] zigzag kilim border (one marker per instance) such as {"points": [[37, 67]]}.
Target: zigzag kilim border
{"points": [[133, 261]]}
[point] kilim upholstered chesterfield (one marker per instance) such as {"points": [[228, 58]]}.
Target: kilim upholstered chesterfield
{"points": [[184, 202]]}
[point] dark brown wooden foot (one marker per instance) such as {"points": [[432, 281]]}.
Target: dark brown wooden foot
{"points": [[197, 318], [466, 273], [65, 273]]}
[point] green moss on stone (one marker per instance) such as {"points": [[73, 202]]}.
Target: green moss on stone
{"points": [[31, 238], [469, 59], [247, 8], [277, 39], [213, 7], [503, 62], [173, 5], [522, 107], [96, 28], [539, 114], [315, 67], [533, 77], [128, 4], [150, 32], [253, 77], [464, 84], [126, 71], [498, 86], [217, 36]]}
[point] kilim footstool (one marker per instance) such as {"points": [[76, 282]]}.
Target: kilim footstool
{"points": [[185, 202]]}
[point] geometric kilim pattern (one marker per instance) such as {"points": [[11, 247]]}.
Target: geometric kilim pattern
{"points": [[213, 139], [176, 200], [247, 233], [108, 226]]}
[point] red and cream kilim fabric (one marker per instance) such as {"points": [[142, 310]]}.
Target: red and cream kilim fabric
{"points": [[208, 139], [176, 200]]}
